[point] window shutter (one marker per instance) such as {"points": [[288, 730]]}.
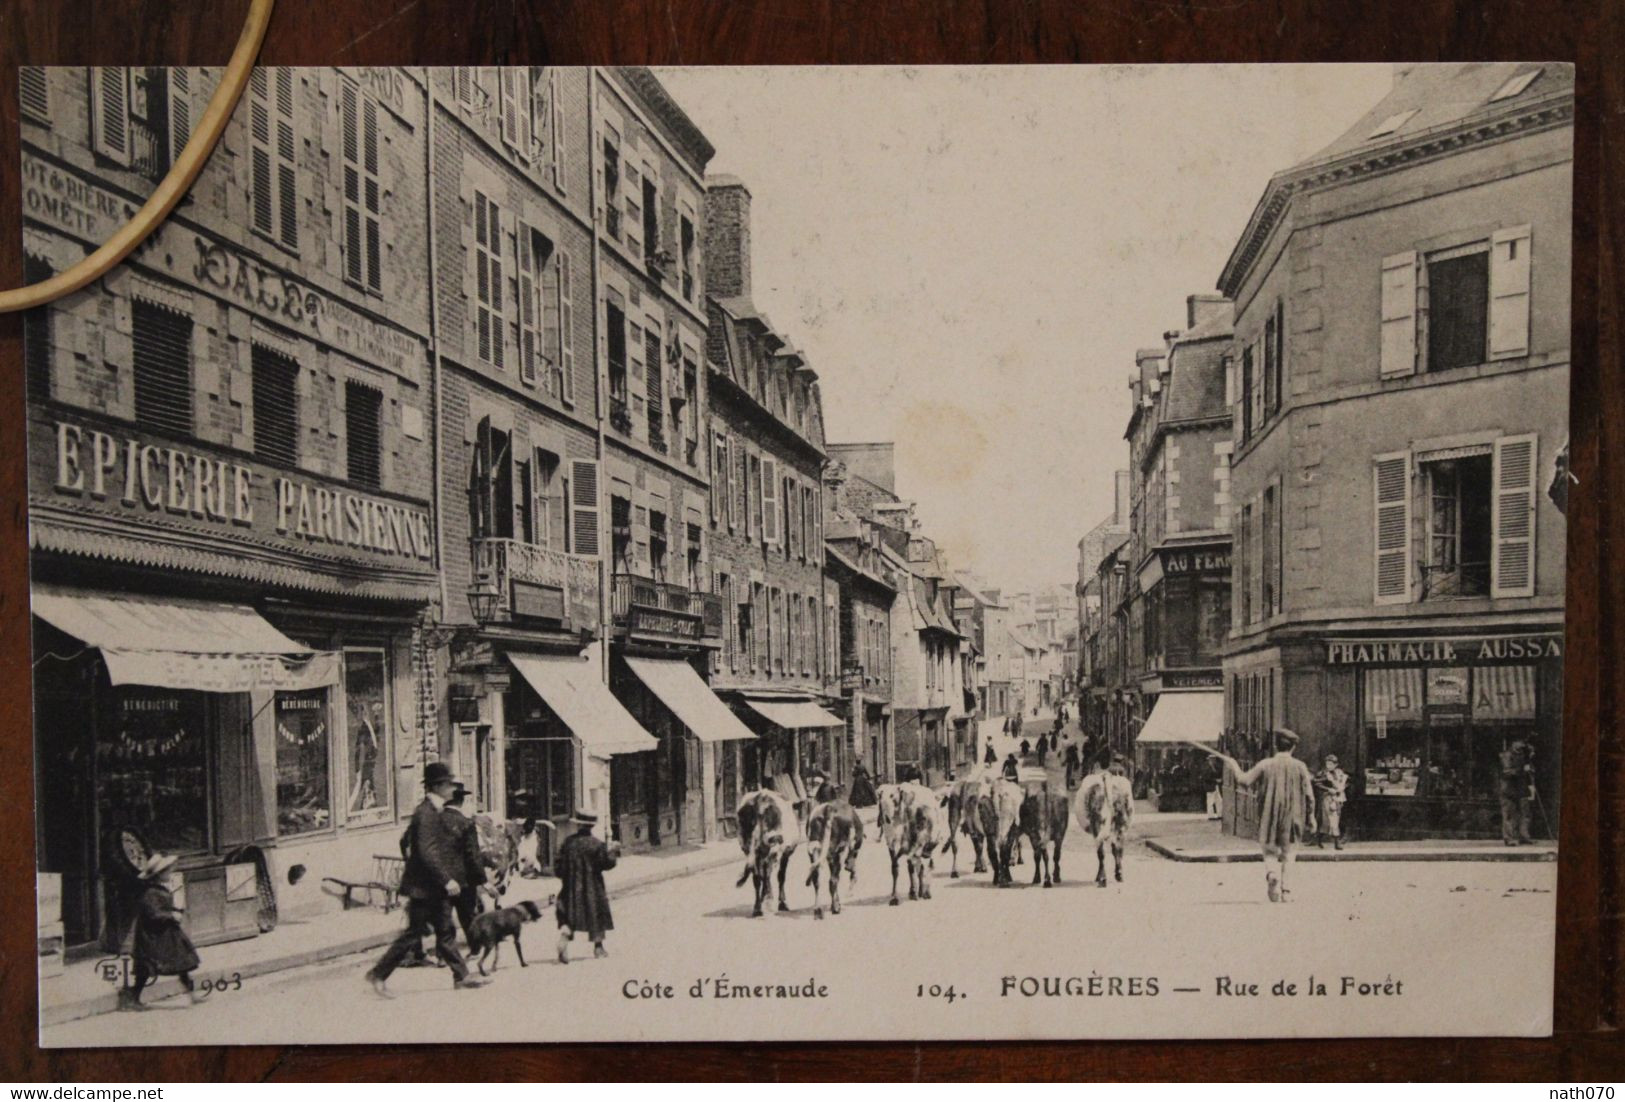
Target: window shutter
{"points": [[110, 113], [1512, 563], [1509, 293], [1399, 315], [558, 125], [507, 82], [567, 329], [529, 334], [1391, 482], [1246, 418], [180, 110], [287, 195], [770, 501], [350, 133], [35, 94], [584, 507], [463, 78]]}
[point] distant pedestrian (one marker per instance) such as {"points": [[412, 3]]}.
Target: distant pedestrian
{"points": [[160, 946], [863, 786], [1011, 771], [429, 883], [583, 903], [466, 840], [1286, 801], [1043, 749], [1517, 792], [1026, 748], [989, 756], [1070, 757], [1331, 793], [1008, 724]]}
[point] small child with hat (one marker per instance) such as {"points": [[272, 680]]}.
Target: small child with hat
{"points": [[161, 947]]}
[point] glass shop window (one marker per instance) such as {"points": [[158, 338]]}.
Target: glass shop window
{"points": [[1395, 733], [304, 798], [370, 795], [152, 767]]}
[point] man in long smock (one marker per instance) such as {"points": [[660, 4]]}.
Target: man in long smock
{"points": [[1286, 807]]}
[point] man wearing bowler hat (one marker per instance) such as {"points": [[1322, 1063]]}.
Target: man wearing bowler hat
{"points": [[429, 883], [583, 903]]}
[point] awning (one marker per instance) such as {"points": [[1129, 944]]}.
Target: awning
{"points": [[690, 699], [793, 714], [183, 643], [1184, 717], [579, 697]]}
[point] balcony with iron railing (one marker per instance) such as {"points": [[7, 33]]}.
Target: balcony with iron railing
{"points": [[643, 606], [539, 583]]}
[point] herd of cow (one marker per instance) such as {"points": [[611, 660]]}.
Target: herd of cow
{"points": [[917, 823]]}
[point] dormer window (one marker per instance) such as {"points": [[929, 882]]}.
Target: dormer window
{"points": [[1515, 85], [1392, 123]]}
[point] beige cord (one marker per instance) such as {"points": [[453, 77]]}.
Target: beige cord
{"points": [[175, 183]]}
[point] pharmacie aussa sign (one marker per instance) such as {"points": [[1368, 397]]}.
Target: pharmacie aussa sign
{"points": [[123, 472]]}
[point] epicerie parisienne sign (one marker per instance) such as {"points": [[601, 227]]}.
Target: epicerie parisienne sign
{"points": [[183, 482]]}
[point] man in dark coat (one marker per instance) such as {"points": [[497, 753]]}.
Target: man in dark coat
{"points": [[1517, 792], [466, 838], [583, 903], [429, 883], [1070, 757]]}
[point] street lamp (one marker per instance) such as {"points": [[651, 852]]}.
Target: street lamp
{"points": [[482, 600]]}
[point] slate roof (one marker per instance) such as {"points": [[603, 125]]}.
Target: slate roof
{"points": [[1444, 95]]}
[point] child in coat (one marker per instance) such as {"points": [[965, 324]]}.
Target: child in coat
{"points": [[161, 947]]}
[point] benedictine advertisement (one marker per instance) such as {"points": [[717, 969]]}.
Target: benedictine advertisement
{"points": [[812, 553]]}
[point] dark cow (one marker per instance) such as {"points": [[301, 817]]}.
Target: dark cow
{"points": [[999, 809], [1044, 816], [769, 832], [834, 834], [1104, 806], [960, 798]]}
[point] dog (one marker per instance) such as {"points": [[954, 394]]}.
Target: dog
{"points": [[486, 932]]}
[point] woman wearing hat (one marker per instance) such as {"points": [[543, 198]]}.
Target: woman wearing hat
{"points": [[160, 947], [583, 903]]}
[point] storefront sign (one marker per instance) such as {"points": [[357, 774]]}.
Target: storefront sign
{"points": [[541, 601], [122, 472], [851, 679], [660, 622], [63, 201], [1193, 561], [1191, 679], [283, 298], [1364, 652]]}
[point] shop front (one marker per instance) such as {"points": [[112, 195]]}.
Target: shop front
{"points": [[1432, 719], [1187, 714], [217, 675], [604, 765], [711, 737], [795, 737]]}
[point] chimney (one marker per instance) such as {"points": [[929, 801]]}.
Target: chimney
{"points": [[1200, 309], [727, 237], [835, 483]]}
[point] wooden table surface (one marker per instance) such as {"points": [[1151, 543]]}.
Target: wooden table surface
{"points": [[669, 32]]}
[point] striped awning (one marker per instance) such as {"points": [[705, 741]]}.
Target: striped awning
{"points": [[1504, 692]]}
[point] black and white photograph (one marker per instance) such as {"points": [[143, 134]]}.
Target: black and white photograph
{"points": [[803, 553]]}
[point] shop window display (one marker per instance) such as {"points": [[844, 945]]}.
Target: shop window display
{"points": [[304, 800], [153, 768], [367, 735], [1438, 733]]}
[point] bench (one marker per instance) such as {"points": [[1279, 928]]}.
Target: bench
{"points": [[385, 882]]}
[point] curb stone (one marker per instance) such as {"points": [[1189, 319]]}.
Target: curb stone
{"points": [[1513, 854], [168, 986]]}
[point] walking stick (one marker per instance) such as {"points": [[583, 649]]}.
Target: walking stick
{"points": [[1540, 805]]}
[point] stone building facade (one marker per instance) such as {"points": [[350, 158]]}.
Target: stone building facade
{"points": [[230, 453], [1402, 357]]}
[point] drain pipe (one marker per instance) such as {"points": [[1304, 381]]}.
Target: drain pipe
{"points": [[600, 371], [436, 394]]}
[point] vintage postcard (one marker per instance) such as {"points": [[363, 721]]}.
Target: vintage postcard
{"points": [[563, 554]]}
